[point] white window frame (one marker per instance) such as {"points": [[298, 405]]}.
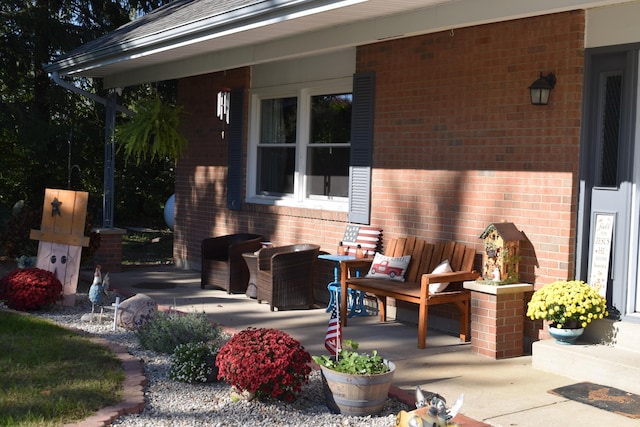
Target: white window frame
{"points": [[303, 92]]}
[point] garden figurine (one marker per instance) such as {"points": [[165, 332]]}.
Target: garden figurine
{"points": [[430, 412], [98, 290]]}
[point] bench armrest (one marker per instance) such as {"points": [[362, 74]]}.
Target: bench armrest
{"points": [[454, 276]]}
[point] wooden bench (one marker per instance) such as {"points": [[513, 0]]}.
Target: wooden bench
{"points": [[415, 289]]}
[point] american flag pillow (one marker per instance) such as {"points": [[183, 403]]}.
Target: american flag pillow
{"points": [[370, 238]]}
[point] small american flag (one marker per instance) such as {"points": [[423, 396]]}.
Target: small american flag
{"points": [[333, 339], [367, 237]]}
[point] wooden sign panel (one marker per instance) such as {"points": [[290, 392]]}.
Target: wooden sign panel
{"points": [[63, 217], [62, 236], [601, 252]]}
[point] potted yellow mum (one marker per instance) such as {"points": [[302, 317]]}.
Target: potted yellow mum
{"points": [[569, 306]]}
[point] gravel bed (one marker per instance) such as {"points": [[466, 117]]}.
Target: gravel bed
{"points": [[173, 403]]}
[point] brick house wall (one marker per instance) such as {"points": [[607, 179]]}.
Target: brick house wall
{"points": [[457, 146]]}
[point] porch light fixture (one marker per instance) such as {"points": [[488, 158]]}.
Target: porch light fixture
{"points": [[541, 88]]}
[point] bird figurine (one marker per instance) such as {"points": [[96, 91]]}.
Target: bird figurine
{"points": [[430, 412], [98, 290]]}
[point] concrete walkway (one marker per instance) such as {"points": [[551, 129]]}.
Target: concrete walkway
{"points": [[497, 392]]}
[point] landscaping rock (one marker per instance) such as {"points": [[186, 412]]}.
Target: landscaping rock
{"points": [[136, 311]]}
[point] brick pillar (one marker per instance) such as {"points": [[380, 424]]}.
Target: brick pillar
{"points": [[109, 254], [497, 319]]}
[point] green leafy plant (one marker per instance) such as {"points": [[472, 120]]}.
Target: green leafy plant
{"points": [[30, 289], [567, 304], [195, 362], [14, 240], [153, 132], [266, 362], [349, 361], [167, 330]]}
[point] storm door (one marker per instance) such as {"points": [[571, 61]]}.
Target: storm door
{"points": [[605, 241]]}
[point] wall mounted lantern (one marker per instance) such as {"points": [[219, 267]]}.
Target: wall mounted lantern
{"points": [[541, 88]]}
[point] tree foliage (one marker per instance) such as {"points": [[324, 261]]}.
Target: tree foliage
{"points": [[50, 137]]}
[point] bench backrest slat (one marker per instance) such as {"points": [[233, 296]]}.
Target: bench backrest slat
{"points": [[426, 256]]}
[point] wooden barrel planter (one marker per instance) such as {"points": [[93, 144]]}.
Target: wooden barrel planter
{"points": [[356, 395]]}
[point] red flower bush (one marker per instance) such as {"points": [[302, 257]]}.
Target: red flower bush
{"points": [[30, 289], [267, 362]]}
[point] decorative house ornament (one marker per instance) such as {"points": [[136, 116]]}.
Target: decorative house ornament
{"points": [[501, 253], [55, 207], [61, 237], [224, 97]]}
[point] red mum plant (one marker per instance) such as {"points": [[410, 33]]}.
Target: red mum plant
{"points": [[266, 362], [30, 289]]}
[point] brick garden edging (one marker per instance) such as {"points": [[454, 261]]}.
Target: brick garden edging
{"points": [[133, 388]]}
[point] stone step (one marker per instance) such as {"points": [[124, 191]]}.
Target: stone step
{"points": [[624, 335], [601, 364]]}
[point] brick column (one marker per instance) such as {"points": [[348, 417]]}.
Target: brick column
{"points": [[109, 254], [497, 319]]}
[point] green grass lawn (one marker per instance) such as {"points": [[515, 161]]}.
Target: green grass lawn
{"points": [[50, 376]]}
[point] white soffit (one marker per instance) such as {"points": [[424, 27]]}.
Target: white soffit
{"points": [[613, 25], [357, 22]]}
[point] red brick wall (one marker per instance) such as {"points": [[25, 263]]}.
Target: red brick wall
{"points": [[457, 146], [200, 206]]}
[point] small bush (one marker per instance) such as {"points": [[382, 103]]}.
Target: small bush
{"points": [[194, 362], [267, 362], [168, 330], [15, 240], [30, 289]]}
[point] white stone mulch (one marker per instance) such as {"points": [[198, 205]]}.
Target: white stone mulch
{"points": [[173, 403]]}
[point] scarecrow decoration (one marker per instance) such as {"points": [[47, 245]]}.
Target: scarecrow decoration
{"points": [[61, 237]]}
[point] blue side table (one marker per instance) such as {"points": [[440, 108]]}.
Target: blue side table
{"points": [[355, 302]]}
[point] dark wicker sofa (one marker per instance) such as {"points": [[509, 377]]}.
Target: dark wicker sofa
{"points": [[285, 275], [222, 263]]}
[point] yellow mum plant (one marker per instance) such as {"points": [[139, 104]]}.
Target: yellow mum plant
{"points": [[567, 304]]}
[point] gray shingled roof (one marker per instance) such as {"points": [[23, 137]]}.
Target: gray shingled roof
{"points": [[180, 19], [173, 16]]}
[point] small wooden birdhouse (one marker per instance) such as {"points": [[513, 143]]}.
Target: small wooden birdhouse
{"points": [[501, 252]]}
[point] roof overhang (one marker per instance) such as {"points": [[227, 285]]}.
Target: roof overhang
{"points": [[195, 37]]}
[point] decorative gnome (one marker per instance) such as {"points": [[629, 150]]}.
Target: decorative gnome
{"points": [[98, 291], [431, 412]]}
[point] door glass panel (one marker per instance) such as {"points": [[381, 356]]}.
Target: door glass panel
{"points": [[610, 134]]}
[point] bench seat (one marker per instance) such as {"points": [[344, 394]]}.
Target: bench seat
{"points": [[415, 289]]}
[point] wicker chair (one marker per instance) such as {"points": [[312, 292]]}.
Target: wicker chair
{"points": [[222, 263], [285, 275]]}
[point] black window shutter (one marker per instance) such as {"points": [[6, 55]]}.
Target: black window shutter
{"points": [[234, 149], [361, 148]]}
